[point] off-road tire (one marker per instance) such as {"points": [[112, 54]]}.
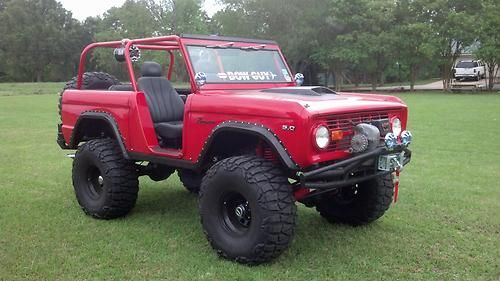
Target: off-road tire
{"points": [[373, 198], [272, 207], [190, 179], [106, 184], [91, 81]]}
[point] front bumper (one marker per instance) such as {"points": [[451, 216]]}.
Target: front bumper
{"points": [[465, 75], [353, 170]]}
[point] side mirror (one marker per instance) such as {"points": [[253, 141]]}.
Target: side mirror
{"points": [[299, 79], [200, 78]]}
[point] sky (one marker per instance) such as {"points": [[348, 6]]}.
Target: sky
{"points": [[83, 9]]}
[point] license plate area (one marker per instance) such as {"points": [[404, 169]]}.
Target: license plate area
{"points": [[390, 162]]}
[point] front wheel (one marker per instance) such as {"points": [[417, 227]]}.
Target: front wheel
{"points": [[247, 209], [359, 204], [105, 183]]}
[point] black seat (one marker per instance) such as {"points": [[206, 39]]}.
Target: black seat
{"points": [[165, 105]]}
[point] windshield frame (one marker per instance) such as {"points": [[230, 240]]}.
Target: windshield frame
{"points": [[186, 42], [274, 52]]}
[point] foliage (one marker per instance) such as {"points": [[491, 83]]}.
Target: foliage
{"points": [[293, 23], [419, 45], [177, 16], [489, 38], [357, 41], [454, 26], [40, 40]]}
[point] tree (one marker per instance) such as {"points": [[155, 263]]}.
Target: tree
{"points": [[414, 41], [364, 39], [454, 27], [295, 24], [331, 45], [40, 40], [177, 16], [489, 38]]}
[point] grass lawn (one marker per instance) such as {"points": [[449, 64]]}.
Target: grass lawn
{"points": [[446, 225], [17, 89], [402, 83]]}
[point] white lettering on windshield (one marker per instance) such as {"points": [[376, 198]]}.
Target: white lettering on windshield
{"points": [[238, 75], [245, 75]]}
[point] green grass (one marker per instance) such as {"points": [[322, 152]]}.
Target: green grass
{"points": [[16, 89], [403, 83], [446, 225]]}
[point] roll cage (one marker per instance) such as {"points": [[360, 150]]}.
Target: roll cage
{"points": [[177, 43]]}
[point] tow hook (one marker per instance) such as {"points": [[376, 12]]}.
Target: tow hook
{"points": [[395, 176]]}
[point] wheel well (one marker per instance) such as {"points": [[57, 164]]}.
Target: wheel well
{"points": [[233, 143], [91, 128], [228, 143]]}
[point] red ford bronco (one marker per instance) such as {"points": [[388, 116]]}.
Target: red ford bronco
{"points": [[244, 135]]}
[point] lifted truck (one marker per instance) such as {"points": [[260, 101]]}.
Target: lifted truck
{"points": [[244, 135]]}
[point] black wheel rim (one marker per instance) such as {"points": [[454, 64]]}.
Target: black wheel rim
{"points": [[95, 182], [236, 215]]}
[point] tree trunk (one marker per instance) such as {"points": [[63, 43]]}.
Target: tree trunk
{"points": [[413, 76], [447, 76], [341, 81], [450, 57], [337, 73], [491, 75], [374, 81], [337, 81], [382, 79]]}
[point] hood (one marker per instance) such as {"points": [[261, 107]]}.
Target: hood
{"points": [[318, 100]]}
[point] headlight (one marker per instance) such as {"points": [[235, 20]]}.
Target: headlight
{"points": [[322, 137], [396, 126]]}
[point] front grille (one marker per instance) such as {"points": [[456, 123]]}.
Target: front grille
{"points": [[346, 123]]}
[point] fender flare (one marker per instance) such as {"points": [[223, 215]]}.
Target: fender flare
{"points": [[255, 129], [108, 119]]}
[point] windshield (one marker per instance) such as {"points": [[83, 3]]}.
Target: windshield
{"points": [[235, 65], [466, 64]]}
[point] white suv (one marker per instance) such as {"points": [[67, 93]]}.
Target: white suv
{"points": [[469, 69]]}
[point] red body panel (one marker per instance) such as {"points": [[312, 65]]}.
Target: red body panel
{"points": [[205, 108]]}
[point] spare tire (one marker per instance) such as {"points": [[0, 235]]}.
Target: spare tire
{"points": [[91, 81]]}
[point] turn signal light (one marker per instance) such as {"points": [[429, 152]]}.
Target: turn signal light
{"points": [[337, 135]]}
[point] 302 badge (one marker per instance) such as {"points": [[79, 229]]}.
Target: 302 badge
{"points": [[289, 128]]}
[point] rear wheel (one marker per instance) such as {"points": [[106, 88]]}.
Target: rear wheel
{"points": [[190, 179], [247, 209], [359, 204], [106, 184]]}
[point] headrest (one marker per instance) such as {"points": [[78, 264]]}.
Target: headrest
{"points": [[151, 69]]}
